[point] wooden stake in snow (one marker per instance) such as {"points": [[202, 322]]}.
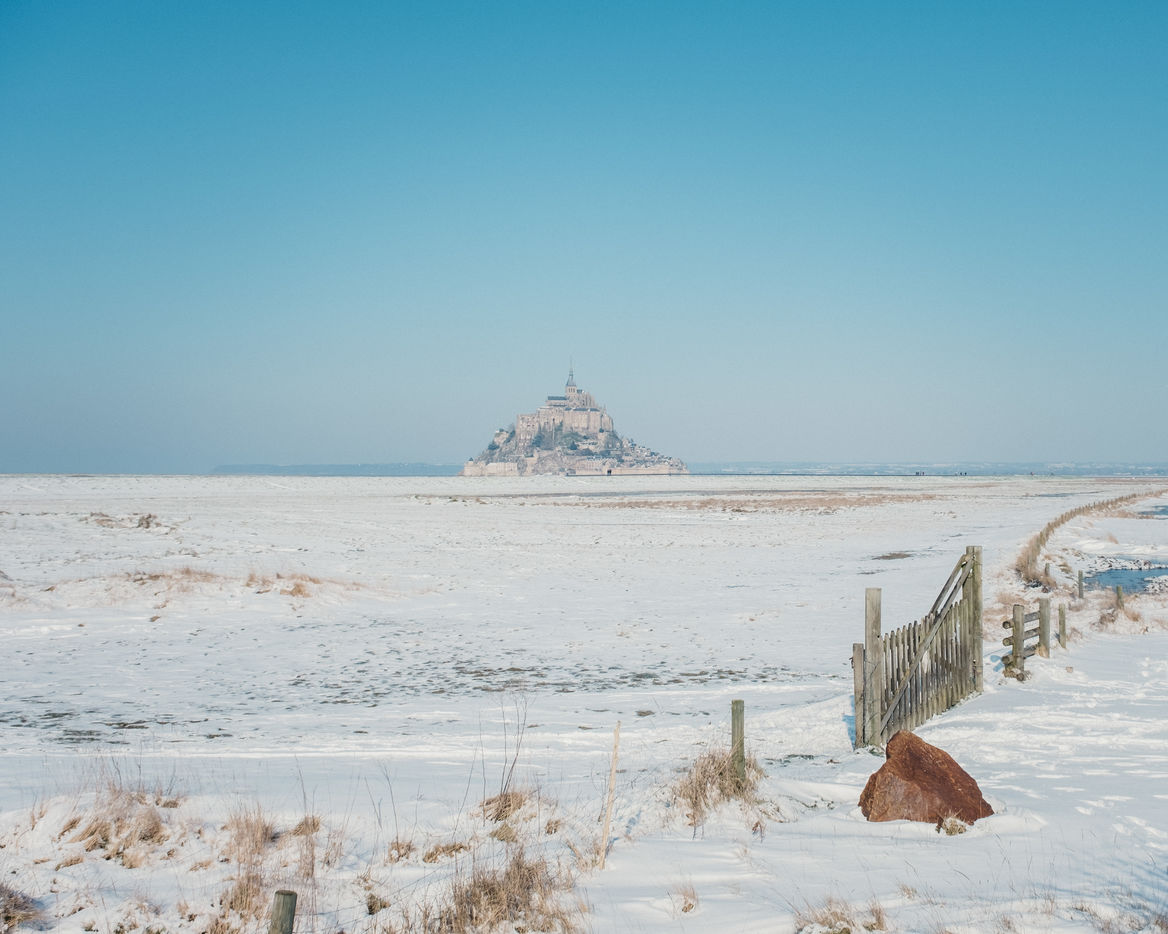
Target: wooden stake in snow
{"points": [[611, 792], [1044, 627], [283, 912], [1062, 625], [738, 740]]}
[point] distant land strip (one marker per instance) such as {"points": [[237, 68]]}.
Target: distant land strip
{"points": [[737, 468], [340, 470]]}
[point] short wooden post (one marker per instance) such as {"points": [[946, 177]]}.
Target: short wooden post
{"points": [[1044, 627], [611, 794], [1080, 585], [858, 690], [1119, 596], [873, 667], [283, 912], [1046, 571], [978, 666], [1018, 647], [738, 740], [1062, 625]]}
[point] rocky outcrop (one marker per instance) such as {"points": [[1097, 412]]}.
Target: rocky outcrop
{"points": [[568, 435], [920, 782]]}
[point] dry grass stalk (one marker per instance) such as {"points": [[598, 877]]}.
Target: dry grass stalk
{"points": [[711, 781], [398, 850], [835, 916], [684, 897], [123, 824], [442, 850], [524, 892], [308, 825], [951, 826], [249, 836], [832, 917], [502, 806], [16, 908]]}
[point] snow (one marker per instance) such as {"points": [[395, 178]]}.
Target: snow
{"points": [[380, 652]]}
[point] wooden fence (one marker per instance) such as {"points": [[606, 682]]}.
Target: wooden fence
{"points": [[908, 675], [1034, 641]]}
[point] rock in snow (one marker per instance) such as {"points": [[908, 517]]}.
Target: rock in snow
{"points": [[922, 783]]}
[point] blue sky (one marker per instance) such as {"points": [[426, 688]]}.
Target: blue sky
{"points": [[373, 232]]}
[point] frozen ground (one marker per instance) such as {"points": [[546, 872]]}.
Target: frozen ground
{"points": [[368, 651]]}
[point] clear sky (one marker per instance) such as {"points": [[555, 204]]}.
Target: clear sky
{"points": [[290, 232]]}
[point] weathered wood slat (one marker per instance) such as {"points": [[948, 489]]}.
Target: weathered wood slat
{"points": [[962, 565], [1026, 636]]}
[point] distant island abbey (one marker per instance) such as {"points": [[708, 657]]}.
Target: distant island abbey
{"points": [[569, 435]]}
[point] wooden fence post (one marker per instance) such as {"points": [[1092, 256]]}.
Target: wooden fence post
{"points": [[1080, 585], [1062, 625], [1018, 647], [873, 667], [858, 690], [1119, 596], [978, 673], [611, 794], [1044, 627], [283, 912], [738, 740]]}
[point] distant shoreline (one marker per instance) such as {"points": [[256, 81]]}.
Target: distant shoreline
{"points": [[697, 469], [739, 468]]}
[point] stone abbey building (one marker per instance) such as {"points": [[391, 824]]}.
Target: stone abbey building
{"points": [[570, 435]]}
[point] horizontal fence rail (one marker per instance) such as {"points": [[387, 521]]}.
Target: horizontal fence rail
{"points": [[1025, 643], [906, 676]]}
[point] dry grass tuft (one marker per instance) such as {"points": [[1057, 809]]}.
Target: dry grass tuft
{"points": [[832, 917], [309, 824], [524, 892], [684, 898], [442, 850], [16, 908], [711, 781], [246, 897], [951, 826], [502, 806], [250, 834], [123, 823], [838, 917], [398, 850], [305, 834]]}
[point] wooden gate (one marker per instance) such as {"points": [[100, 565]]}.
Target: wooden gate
{"points": [[906, 676]]}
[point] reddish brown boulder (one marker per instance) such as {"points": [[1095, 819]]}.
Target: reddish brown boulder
{"points": [[921, 782]]}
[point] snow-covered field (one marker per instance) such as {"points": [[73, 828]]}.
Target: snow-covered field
{"points": [[385, 654]]}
